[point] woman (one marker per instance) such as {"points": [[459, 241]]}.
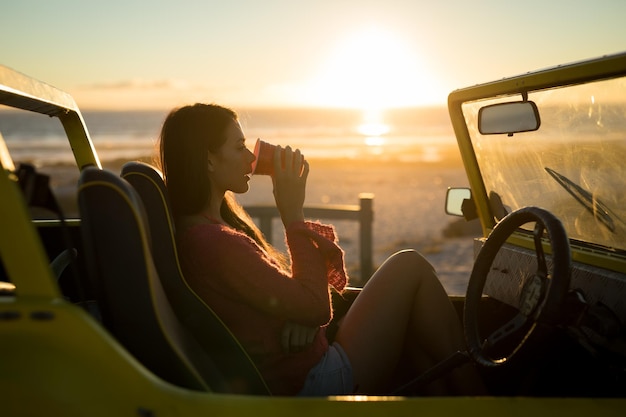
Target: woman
{"points": [[278, 310]]}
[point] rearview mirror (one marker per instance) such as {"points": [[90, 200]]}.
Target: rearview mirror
{"points": [[509, 118], [459, 202]]}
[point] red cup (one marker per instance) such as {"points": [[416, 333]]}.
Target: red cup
{"points": [[264, 162]]}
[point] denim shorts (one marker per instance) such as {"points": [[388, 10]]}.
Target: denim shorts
{"points": [[331, 376]]}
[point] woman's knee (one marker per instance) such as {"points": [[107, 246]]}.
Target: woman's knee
{"points": [[412, 260], [404, 268]]}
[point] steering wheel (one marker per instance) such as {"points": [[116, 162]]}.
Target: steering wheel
{"points": [[542, 295]]}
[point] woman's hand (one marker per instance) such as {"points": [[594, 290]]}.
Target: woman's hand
{"points": [[296, 338], [289, 181]]}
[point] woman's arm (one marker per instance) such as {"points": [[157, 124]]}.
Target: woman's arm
{"points": [[289, 181], [223, 259]]}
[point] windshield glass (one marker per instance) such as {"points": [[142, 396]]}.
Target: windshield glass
{"points": [[574, 165]]}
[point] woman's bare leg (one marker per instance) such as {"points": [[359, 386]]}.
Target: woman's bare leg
{"points": [[402, 305]]}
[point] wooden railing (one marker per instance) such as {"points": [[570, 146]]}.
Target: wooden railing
{"points": [[362, 213]]}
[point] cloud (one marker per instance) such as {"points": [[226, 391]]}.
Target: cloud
{"points": [[138, 93], [128, 95], [137, 84]]}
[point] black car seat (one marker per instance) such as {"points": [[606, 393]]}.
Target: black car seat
{"points": [[129, 293], [202, 322]]}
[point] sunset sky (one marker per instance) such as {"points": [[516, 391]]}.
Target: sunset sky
{"points": [[338, 53]]}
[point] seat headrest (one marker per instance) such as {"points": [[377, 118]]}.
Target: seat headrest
{"points": [[149, 184]]}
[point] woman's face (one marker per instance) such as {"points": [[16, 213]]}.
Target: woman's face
{"points": [[230, 168]]}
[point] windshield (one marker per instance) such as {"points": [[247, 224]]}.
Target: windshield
{"points": [[574, 165]]}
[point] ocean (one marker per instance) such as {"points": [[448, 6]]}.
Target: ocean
{"points": [[400, 134]]}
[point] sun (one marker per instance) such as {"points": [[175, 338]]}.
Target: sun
{"points": [[374, 69]]}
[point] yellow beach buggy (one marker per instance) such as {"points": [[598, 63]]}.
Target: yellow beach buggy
{"points": [[96, 318]]}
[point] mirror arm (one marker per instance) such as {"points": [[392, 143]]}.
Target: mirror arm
{"points": [[468, 208]]}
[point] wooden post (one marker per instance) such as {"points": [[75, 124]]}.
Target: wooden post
{"points": [[366, 221]]}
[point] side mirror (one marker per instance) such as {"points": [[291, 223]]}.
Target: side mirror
{"points": [[509, 118], [459, 202]]}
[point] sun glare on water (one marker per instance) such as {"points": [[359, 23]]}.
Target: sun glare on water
{"points": [[374, 69], [373, 128]]}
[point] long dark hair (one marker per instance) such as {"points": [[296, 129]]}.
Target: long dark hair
{"points": [[188, 134]]}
